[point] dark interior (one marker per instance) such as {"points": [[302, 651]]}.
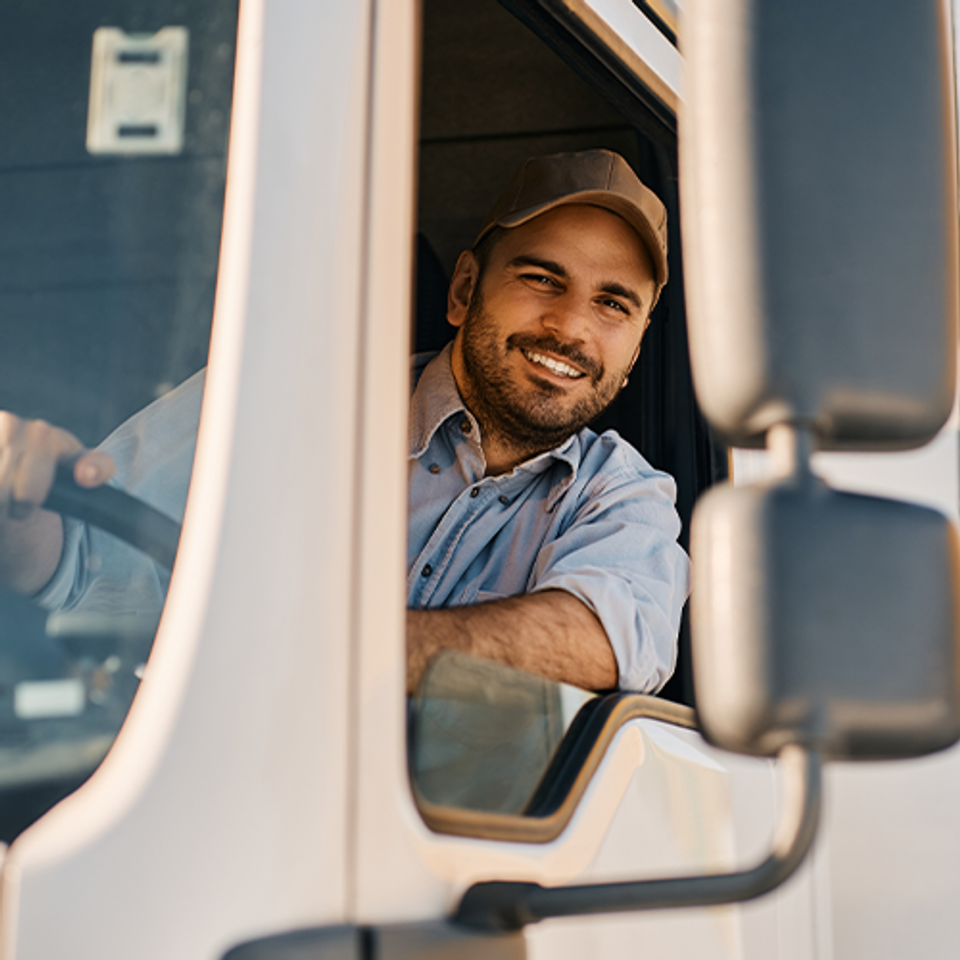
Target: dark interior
{"points": [[500, 85]]}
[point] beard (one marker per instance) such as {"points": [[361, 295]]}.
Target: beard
{"points": [[537, 415]]}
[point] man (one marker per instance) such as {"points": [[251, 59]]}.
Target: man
{"points": [[510, 495], [550, 549]]}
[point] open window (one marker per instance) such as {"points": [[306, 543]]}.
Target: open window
{"points": [[502, 82]]}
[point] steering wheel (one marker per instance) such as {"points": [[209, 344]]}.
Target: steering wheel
{"points": [[116, 512]]}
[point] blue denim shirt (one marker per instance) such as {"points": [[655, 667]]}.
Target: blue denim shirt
{"points": [[591, 517]]}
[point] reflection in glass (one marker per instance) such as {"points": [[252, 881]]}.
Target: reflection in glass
{"points": [[483, 735]]}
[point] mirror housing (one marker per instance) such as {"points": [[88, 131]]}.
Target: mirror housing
{"points": [[825, 619], [819, 199], [819, 179]]}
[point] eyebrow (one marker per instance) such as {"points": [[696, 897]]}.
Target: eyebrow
{"points": [[619, 290], [551, 266]]}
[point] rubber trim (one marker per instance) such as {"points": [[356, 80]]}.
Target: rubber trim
{"points": [[661, 16], [597, 35]]}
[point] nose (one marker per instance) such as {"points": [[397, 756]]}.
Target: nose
{"points": [[567, 318]]}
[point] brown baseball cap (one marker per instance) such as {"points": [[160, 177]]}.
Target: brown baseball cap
{"points": [[599, 178]]}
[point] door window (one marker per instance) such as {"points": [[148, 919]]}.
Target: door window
{"points": [[501, 83]]}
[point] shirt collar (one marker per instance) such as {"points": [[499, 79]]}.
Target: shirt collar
{"points": [[436, 399]]}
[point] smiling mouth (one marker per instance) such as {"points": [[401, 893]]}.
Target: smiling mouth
{"points": [[557, 367]]}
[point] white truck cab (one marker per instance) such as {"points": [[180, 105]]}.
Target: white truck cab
{"points": [[277, 191]]}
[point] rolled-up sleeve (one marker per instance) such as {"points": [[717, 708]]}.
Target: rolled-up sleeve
{"points": [[619, 555], [153, 454], [69, 579]]}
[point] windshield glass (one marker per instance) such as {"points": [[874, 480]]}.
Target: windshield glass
{"points": [[112, 174]]}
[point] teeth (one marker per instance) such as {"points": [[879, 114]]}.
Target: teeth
{"points": [[554, 366]]}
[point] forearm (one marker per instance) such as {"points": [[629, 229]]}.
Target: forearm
{"points": [[30, 551], [550, 633], [31, 539]]}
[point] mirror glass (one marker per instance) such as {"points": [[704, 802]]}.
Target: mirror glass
{"points": [[482, 736]]}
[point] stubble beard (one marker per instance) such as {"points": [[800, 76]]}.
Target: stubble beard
{"points": [[537, 418]]}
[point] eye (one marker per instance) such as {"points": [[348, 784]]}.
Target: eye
{"points": [[539, 280], [615, 305]]}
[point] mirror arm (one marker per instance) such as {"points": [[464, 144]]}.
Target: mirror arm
{"points": [[499, 905]]}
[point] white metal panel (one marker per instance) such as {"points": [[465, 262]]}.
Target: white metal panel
{"points": [[688, 808], [895, 857], [382, 856], [221, 812], [894, 828]]}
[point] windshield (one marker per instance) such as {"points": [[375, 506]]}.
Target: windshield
{"points": [[112, 174]]}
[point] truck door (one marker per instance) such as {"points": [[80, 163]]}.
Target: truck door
{"points": [[272, 790]]}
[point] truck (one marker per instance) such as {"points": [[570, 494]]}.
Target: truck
{"points": [[277, 191]]}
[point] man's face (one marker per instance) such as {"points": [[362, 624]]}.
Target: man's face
{"points": [[550, 332]]}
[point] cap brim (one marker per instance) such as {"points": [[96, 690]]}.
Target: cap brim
{"points": [[599, 198]]}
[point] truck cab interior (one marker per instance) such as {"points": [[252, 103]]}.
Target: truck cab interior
{"points": [[505, 81]]}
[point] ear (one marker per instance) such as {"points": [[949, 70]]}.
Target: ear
{"points": [[636, 353], [464, 281]]}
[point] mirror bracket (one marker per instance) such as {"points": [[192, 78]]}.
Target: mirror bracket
{"points": [[499, 905]]}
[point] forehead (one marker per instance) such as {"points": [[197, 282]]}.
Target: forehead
{"points": [[582, 239]]}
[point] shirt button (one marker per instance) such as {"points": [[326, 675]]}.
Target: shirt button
{"points": [[434, 467], [475, 492], [426, 571], [465, 425], [504, 499]]}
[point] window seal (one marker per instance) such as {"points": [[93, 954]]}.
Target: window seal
{"points": [[661, 16], [593, 32]]}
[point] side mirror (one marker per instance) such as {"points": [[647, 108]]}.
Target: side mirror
{"points": [[820, 214]]}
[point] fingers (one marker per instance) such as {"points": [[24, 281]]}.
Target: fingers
{"points": [[93, 468], [30, 451]]}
